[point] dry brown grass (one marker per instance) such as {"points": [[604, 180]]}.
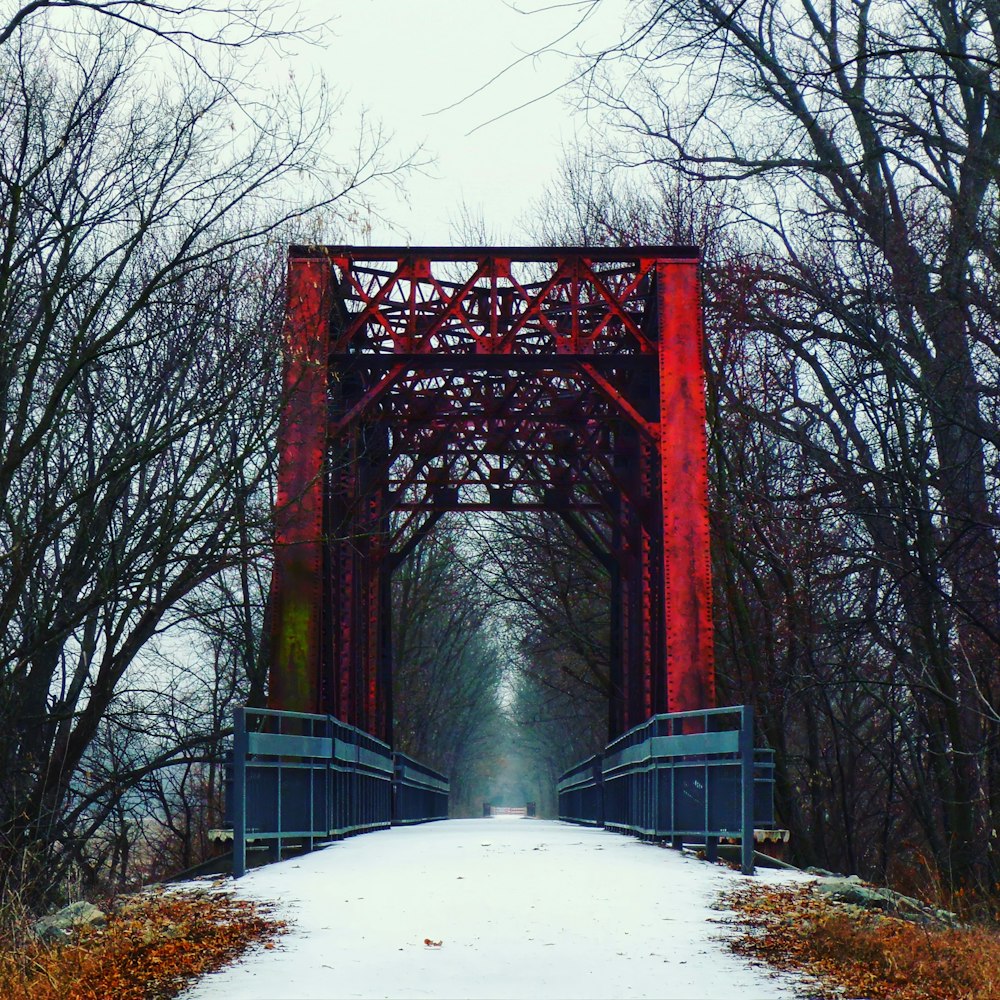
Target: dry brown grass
{"points": [[150, 950], [857, 954]]}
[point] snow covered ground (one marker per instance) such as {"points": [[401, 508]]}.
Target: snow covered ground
{"points": [[522, 908]]}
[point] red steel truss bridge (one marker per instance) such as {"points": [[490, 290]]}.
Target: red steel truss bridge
{"points": [[420, 381]]}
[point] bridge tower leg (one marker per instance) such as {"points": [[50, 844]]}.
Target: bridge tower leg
{"points": [[690, 663], [297, 583]]}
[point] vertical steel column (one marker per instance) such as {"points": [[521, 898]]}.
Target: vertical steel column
{"points": [[621, 618], [649, 630], [384, 716], [344, 584], [637, 668], [650, 571], [616, 699], [687, 579], [635, 612], [297, 594], [372, 598], [340, 639]]}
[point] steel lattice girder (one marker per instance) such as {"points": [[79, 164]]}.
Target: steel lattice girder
{"points": [[425, 380]]}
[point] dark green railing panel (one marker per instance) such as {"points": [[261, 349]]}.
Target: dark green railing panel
{"points": [[311, 778], [419, 792], [683, 775]]}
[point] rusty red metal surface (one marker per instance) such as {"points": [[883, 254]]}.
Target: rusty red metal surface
{"points": [[426, 380], [297, 583], [684, 492]]}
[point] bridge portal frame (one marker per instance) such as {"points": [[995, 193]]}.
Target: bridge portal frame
{"points": [[424, 380]]}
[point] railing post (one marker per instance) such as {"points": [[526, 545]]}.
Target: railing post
{"points": [[239, 792], [329, 823], [311, 775], [746, 780], [676, 840], [279, 772]]}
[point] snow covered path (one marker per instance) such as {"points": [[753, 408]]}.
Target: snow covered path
{"points": [[523, 908]]}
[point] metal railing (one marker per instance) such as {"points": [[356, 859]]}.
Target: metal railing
{"points": [[303, 779], [686, 775], [581, 795], [419, 793]]}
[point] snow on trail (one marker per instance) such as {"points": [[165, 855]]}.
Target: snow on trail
{"points": [[523, 908]]}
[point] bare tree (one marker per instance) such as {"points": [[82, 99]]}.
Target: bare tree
{"points": [[142, 225], [809, 616], [189, 28], [448, 664], [865, 142]]}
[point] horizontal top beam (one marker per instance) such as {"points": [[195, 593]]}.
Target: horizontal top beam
{"points": [[686, 253], [557, 364]]}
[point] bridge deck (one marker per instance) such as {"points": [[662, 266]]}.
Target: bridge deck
{"points": [[522, 907]]}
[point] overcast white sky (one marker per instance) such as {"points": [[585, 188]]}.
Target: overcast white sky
{"points": [[405, 60]]}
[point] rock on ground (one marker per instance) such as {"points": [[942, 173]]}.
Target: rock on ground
{"points": [[62, 925]]}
